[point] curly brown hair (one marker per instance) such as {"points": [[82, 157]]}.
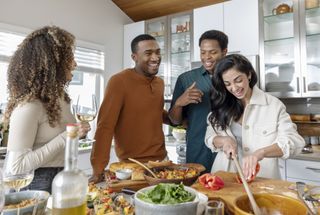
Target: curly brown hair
{"points": [[38, 71]]}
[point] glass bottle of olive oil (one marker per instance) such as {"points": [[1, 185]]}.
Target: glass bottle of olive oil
{"points": [[69, 187]]}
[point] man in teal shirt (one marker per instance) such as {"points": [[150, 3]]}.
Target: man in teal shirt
{"points": [[191, 97]]}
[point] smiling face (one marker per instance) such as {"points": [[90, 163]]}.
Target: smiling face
{"points": [[210, 54], [237, 83], [147, 58]]}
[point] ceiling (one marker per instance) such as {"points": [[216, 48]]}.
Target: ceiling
{"points": [[139, 10]]}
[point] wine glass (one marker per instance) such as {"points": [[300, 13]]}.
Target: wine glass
{"points": [[13, 178], [86, 111], [215, 207]]}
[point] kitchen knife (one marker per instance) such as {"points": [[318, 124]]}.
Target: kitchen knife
{"points": [[300, 190]]}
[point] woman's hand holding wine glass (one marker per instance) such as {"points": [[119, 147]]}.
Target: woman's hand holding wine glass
{"points": [[14, 178], [86, 113]]}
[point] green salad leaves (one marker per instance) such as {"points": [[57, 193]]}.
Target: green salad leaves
{"points": [[167, 194]]}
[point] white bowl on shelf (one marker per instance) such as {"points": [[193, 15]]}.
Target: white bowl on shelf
{"points": [[179, 134], [312, 28]]}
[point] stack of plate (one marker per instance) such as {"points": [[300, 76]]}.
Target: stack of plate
{"points": [[279, 86]]}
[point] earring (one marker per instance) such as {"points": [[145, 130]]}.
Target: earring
{"points": [[249, 79]]}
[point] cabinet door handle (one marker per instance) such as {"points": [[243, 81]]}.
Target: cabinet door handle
{"points": [[298, 85], [304, 85], [313, 169], [234, 52]]}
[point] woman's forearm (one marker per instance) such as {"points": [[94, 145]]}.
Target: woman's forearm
{"points": [[269, 152]]}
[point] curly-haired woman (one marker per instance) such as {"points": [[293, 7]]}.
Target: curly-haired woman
{"points": [[247, 122], [39, 106]]}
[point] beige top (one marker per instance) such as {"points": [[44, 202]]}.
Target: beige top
{"points": [[30, 129]]}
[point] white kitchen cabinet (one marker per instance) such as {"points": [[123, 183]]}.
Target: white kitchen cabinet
{"points": [[289, 51], [237, 18], [282, 168], [174, 36], [303, 170], [130, 31], [241, 24], [172, 153], [84, 161], [204, 19]]}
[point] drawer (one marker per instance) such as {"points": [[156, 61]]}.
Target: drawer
{"points": [[302, 169], [282, 168]]}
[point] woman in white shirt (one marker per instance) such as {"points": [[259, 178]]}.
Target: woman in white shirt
{"points": [[247, 122], [39, 106]]}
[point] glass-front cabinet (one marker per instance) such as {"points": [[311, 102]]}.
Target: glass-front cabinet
{"points": [[158, 29], [289, 47], [173, 34]]}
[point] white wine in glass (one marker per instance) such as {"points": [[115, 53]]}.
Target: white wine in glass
{"points": [[86, 111], [16, 179]]}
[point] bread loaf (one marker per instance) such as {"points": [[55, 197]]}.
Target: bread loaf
{"points": [[137, 174], [152, 164]]}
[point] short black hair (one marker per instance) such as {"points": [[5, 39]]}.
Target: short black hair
{"points": [[221, 37], [139, 38]]}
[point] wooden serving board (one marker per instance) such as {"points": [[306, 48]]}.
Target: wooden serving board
{"points": [[129, 184], [135, 185], [232, 189]]}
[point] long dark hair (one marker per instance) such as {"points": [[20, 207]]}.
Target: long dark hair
{"points": [[225, 106]]}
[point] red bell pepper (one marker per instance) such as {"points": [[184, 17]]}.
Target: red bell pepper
{"points": [[211, 181], [252, 176]]}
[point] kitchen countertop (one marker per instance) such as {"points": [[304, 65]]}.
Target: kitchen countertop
{"points": [[232, 189], [315, 156], [169, 141], [84, 149]]}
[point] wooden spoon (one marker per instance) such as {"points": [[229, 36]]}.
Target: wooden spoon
{"points": [[256, 209], [144, 166]]}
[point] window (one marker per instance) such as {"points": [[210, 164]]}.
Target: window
{"points": [[8, 44], [87, 79]]}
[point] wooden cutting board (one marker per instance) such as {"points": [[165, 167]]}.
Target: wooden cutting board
{"points": [[232, 189]]}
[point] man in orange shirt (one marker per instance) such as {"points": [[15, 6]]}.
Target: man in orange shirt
{"points": [[132, 111]]}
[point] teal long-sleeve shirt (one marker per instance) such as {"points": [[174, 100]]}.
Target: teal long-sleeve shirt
{"points": [[196, 116]]}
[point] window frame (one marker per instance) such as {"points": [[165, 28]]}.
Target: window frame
{"points": [[100, 77]]}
